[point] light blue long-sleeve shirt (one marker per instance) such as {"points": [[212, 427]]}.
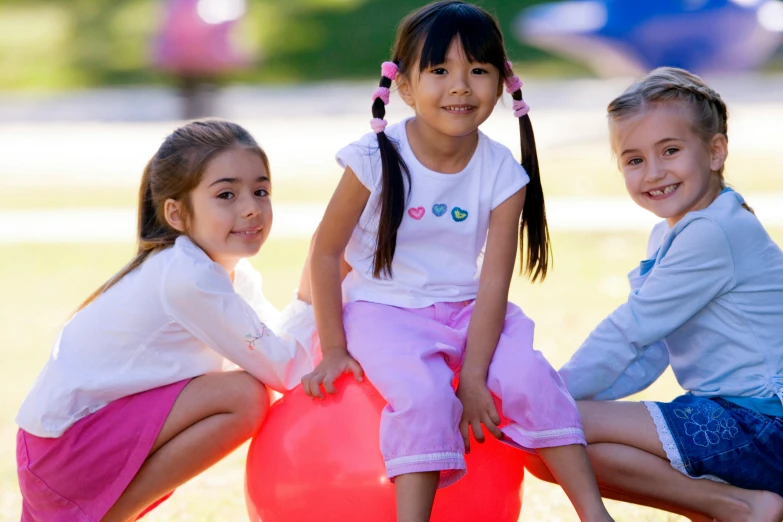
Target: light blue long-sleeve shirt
{"points": [[708, 301]]}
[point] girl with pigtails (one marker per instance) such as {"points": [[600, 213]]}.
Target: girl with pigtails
{"points": [[427, 214]]}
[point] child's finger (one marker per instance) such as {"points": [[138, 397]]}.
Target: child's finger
{"points": [[306, 385], [478, 433], [493, 415], [463, 429], [492, 426], [329, 384], [357, 370], [315, 386]]}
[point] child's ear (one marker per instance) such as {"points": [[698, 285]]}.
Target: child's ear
{"points": [[174, 215], [404, 89], [719, 151]]}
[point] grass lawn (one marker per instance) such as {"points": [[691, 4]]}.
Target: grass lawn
{"points": [[42, 284]]}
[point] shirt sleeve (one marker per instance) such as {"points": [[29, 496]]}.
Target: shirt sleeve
{"points": [[697, 268], [201, 298], [363, 157], [510, 179], [637, 377]]}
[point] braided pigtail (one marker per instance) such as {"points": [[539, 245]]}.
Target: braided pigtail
{"points": [[533, 230], [393, 183]]}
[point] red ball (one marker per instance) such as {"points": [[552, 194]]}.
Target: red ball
{"points": [[320, 460]]}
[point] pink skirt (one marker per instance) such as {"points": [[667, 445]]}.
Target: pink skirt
{"points": [[78, 476]]}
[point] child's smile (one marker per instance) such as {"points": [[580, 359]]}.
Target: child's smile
{"points": [[231, 207], [668, 168], [455, 97], [663, 192]]}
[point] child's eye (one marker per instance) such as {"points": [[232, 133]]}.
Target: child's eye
{"points": [[438, 70], [670, 151], [479, 70], [261, 193], [226, 195], [634, 161]]}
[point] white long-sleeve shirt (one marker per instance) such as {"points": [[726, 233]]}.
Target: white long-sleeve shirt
{"points": [[175, 317]]}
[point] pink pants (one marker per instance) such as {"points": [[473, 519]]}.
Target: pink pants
{"points": [[411, 357]]}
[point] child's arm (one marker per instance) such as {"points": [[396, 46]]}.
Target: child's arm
{"points": [[638, 376], [341, 216], [304, 292], [201, 298], [488, 319], [697, 268]]}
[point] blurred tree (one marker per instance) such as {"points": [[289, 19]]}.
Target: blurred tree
{"points": [[74, 43]]}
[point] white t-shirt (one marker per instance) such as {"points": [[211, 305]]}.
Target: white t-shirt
{"points": [[175, 317], [443, 231]]}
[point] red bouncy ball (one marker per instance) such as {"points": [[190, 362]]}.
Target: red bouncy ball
{"points": [[320, 460]]}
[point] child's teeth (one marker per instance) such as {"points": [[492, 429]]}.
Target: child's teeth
{"points": [[666, 190]]}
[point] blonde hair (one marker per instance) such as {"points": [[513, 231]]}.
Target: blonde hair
{"points": [[172, 173], [670, 84]]}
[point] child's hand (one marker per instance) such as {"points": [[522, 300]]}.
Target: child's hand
{"points": [[332, 366], [477, 408]]}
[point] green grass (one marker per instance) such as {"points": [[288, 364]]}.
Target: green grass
{"points": [[42, 284]]}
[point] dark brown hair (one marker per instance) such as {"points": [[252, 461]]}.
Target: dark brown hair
{"points": [[424, 36], [172, 173]]}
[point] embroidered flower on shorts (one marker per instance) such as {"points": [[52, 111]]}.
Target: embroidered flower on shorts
{"points": [[728, 428], [703, 426], [253, 337]]}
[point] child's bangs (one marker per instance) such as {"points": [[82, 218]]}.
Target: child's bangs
{"points": [[480, 39]]}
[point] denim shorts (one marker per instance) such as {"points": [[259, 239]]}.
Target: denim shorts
{"points": [[715, 439]]}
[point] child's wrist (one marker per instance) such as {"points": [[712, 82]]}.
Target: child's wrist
{"points": [[334, 350], [470, 375]]}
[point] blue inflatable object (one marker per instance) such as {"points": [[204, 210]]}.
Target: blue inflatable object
{"points": [[619, 37]]}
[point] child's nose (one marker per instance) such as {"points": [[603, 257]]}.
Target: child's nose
{"points": [[251, 206], [460, 87], [655, 170]]}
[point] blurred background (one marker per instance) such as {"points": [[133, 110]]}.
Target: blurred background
{"points": [[89, 89]]}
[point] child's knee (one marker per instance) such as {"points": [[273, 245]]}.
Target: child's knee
{"points": [[250, 401], [535, 465]]}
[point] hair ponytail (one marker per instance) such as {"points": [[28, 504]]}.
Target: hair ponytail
{"points": [[394, 173], [424, 38], [533, 230], [151, 235]]}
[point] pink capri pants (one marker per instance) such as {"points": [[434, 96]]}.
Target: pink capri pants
{"points": [[411, 356]]}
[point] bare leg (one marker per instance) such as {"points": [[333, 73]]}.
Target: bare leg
{"points": [[631, 465], [571, 468], [415, 496], [212, 416]]}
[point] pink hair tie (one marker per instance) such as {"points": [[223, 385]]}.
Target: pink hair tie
{"points": [[389, 70], [378, 125], [513, 84], [520, 108], [382, 93]]}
